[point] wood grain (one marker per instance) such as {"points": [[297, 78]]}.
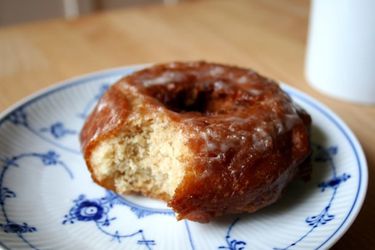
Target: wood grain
{"points": [[266, 35]]}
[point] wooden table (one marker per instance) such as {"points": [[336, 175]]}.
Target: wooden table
{"points": [[266, 35]]}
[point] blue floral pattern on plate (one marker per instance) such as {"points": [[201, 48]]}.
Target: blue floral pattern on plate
{"points": [[98, 210], [233, 244], [58, 130], [324, 155], [48, 159], [19, 117]]}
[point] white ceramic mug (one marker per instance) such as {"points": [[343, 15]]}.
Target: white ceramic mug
{"points": [[340, 59]]}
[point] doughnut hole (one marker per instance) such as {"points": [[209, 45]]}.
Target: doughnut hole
{"points": [[206, 99]]}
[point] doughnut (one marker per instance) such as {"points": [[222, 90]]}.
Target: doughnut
{"points": [[207, 138]]}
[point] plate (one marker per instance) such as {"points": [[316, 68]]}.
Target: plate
{"points": [[48, 200]]}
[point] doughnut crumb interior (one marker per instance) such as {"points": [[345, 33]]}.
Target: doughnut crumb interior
{"points": [[209, 139], [148, 157]]}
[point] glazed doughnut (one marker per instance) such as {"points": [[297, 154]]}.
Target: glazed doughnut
{"points": [[209, 139]]}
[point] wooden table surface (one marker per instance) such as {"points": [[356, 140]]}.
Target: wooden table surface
{"points": [[267, 35]]}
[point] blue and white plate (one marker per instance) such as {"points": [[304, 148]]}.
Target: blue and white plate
{"points": [[48, 200]]}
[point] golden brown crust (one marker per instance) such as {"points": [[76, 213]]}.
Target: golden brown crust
{"points": [[248, 137], [105, 121]]}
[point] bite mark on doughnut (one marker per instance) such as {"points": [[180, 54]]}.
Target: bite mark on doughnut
{"points": [[149, 156]]}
